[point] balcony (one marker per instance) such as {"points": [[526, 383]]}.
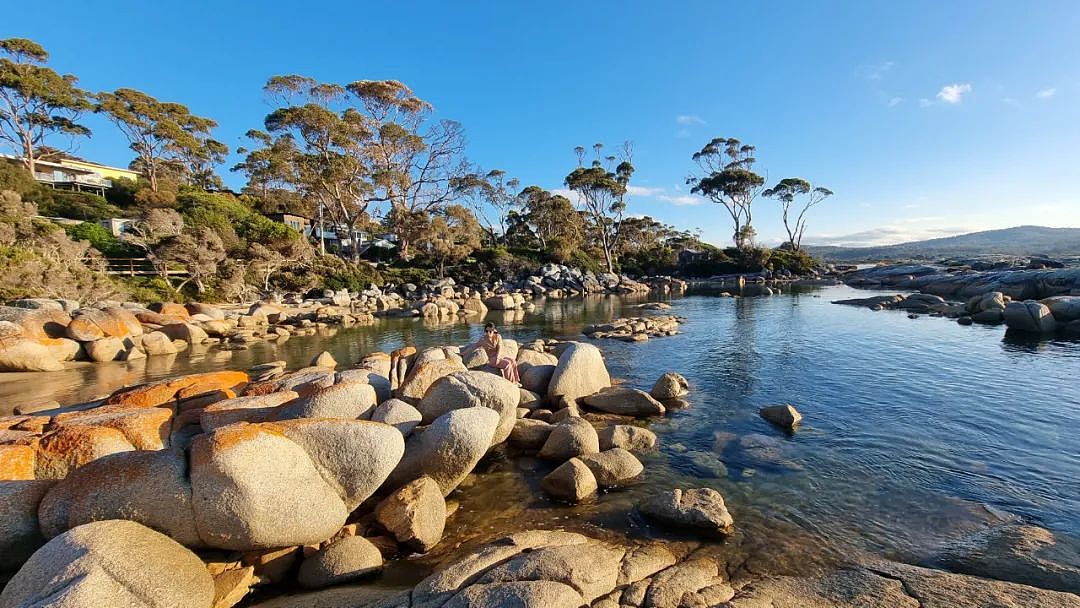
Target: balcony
{"points": [[72, 180]]}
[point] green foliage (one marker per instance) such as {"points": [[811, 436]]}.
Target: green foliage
{"points": [[407, 274], [15, 177], [584, 261], [796, 262], [353, 277], [85, 206], [230, 217], [122, 193], [101, 239], [147, 289]]}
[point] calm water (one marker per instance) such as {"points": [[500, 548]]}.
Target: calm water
{"points": [[915, 430]]}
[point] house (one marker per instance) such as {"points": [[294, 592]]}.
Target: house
{"points": [[298, 223], [693, 256], [76, 174], [116, 225]]}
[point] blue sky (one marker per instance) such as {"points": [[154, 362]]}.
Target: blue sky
{"points": [[925, 118]]}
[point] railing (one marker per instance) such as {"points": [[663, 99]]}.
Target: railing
{"points": [[90, 180], [136, 267]]}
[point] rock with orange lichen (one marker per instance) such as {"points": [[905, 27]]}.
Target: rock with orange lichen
{"points": [[90, 324], [19, 353], [400, 360], [144, 428], [251, 408], [161, 392], [151, 488], [37, 324], [62, 451], [16, 461], [304, 381], [170, 309]]}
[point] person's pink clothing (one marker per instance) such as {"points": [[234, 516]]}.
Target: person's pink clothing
{"points": [[506, 366]]}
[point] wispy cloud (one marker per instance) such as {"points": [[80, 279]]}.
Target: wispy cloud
{"points": [[1046, 93], [682, 200], [689, 119], [953, 93], [886, 235], [876, 71], [925, 103], [644, 191], [1010, 101], [895, 101]]}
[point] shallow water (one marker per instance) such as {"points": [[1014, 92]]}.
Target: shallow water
{"points": [[915, 430]]}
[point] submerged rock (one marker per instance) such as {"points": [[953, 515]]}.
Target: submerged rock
{"points": [[701, 509]]}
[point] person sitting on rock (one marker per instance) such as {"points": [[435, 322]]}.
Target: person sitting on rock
{"points": [[491, 343]]}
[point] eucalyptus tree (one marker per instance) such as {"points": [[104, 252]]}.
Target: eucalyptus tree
{"points": [[553, 220], [727, 178], [36, 102], [452, 233], [788, 191], [414, 159], [315, 144], [165, 136], [602, 192], [491, 197]]}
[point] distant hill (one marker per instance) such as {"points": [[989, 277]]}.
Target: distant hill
{"points": [[1018, 241]]}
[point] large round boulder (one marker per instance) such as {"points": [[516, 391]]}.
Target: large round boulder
{"points": [[1030, 317], [571, 481], [286, 483], [149, 487], [111, 563], [580, 372], [473, 389], [613, 468], [351, 400], [570, 438], [448, 449], [397, 414]]}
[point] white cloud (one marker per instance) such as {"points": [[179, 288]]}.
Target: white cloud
{"points": [[886, 235], [681, 200], [895, 101], [953, 93], [689, 119], [644, 191], [1046, 93]]}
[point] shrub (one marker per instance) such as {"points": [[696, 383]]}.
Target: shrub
{"points": [[584, 261], [84, 206], [796, 262], [101, 239]]}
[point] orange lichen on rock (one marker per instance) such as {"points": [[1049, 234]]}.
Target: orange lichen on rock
{"points": [[159, 393], [16, 462], [145, 428], [66, 449]]}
